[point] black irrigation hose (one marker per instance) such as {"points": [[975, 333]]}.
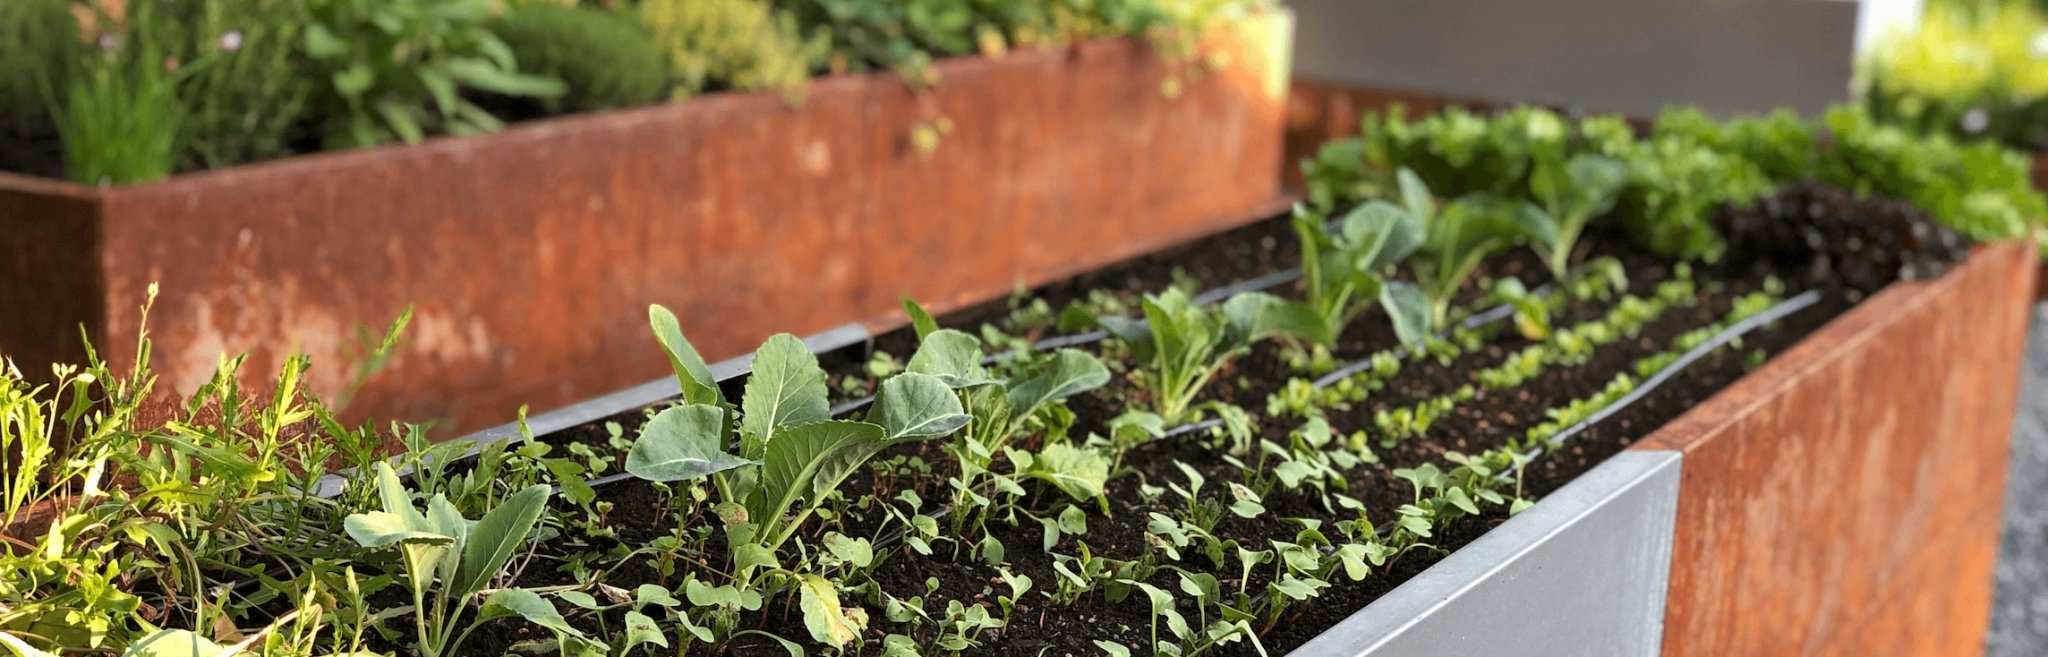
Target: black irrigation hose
{"points": [[1777, 312]]}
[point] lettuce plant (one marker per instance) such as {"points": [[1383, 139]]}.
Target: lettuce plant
{"points": [[461, 556], [1344, 269]]}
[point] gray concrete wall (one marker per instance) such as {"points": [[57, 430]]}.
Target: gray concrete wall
{"points": [[1627, 56]]}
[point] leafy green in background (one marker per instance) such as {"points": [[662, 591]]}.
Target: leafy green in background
{"points": [[603, 59], [732, 44], [1971, 70], [398, 69]]}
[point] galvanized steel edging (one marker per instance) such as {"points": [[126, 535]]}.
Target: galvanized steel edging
{"points": [[1582, 573]]}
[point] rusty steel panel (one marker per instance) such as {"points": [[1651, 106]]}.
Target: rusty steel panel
{"points": [[530, 255], [1844, 499], [49, 239]]}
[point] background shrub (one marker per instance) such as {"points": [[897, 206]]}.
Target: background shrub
{"points": [[738, 44], [604, 59], [37, 38], [396, 69]]}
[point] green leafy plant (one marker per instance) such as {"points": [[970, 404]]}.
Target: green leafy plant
{"points": [[246, 96], [449, 560], [397, 69], [1968, 71], [603, 59], [118, 112], [1570, 194], [1981, 190], [38, 43], [1183, 345], [736, 44], [1344, 269], [792, 455], [1460, 236]]}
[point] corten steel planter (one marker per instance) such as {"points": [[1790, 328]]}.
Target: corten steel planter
{"points": [[532, 254], [1842, 500]]}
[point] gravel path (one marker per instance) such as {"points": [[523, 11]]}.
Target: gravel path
{"points": [[2019, 618]]}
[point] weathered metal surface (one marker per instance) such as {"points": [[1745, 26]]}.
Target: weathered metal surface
{"points": [[49, 281], [1844, 499], [1580, 574], [531, 254]]}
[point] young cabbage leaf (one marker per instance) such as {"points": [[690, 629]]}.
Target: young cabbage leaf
{"points": [[1344, 267], [1572, 193]]}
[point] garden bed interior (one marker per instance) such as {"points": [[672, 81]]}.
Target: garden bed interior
{"points": [[1259, 250]]}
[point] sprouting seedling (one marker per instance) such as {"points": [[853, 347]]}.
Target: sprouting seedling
{"points": [[1345, 268], [1571, 193], [998, 405], [1459, 236], [1183, 345], [791, 455]]}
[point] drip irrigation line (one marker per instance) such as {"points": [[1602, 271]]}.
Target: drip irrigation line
{"points": [[1489, 316], [1780, 311]]}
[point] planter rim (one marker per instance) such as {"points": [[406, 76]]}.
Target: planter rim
{"points": [[1505, 569], [617, 402]]}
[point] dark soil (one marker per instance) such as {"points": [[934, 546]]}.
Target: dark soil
{"points": [[1842, 274]]}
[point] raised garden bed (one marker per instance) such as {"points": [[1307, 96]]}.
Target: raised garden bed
{"points": [[1565, 444], [527, 253]]}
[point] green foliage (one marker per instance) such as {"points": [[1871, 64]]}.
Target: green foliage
{"points": [[449, 559], [604, 59], [1676, 184], [245, 96], [1344, 269], [119, 114], [398, 69], [732, 44], [1980, 189], [1182, 345], [1460, 236], [1969, 71], [38, 42], [1570, 194], [792, 456]]}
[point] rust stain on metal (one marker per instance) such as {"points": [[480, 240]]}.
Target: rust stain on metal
{"points": [[531, 254], [1844, 499]]}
